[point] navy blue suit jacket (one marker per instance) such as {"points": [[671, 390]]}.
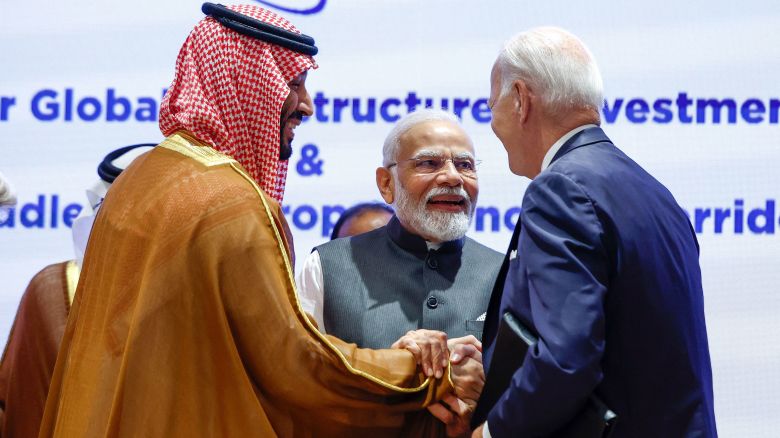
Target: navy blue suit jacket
{"points": [[607, 274]]}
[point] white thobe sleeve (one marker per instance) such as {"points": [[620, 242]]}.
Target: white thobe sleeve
{"points": [[311, 291]]}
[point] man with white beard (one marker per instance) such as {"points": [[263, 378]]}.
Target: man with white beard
{"points": [[417, 281]]}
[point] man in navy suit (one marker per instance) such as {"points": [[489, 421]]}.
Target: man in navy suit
{"points": [[603, 266]]}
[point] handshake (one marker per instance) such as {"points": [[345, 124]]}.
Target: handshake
{"points": [[433, 352]]}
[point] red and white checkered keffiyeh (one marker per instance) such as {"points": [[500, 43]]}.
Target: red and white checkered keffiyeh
{"points": [[228, 91]]}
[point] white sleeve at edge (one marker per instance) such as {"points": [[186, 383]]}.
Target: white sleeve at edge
{"points": [[485, 431], [310, 288]]}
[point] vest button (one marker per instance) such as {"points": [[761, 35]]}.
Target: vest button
{"points": [[432, 302], [432, 263]]}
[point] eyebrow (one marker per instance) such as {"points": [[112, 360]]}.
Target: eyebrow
{"points": [[462, 155], [427, 153]]}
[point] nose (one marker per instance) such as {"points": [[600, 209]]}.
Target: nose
{"points": [[305, 105], [449, 176]]}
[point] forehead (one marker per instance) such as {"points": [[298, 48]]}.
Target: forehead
{"points": [[434, 135], [370, 218], [365, 221], [495, 77], [495, 71]]}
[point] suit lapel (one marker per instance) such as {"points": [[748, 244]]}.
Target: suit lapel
{"points": [[491, 318]]}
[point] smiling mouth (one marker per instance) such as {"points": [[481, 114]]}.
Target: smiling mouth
{"points": [[289, 127], [287, 134], [293, 123], [448, 201], [461, 202]]}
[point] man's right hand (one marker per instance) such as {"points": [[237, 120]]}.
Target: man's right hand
{"points": [[468, 378], [465, 340], [429, 348]]}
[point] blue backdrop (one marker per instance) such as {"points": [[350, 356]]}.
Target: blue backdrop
{"points": [[691, 94]]}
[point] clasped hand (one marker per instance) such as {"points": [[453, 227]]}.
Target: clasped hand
{"points": [[433, 351]]}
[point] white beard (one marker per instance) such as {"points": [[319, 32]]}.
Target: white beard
{"points": [[439, 225]]}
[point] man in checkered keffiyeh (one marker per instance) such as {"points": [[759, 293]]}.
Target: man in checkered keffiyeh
{"points": [[186, 322], [230, 91]]}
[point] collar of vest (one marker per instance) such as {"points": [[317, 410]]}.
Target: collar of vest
{"points": [[416, 244]]}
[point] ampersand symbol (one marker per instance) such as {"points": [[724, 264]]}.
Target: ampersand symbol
{"points": [[308, 165]]}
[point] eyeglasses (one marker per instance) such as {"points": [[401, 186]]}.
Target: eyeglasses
{"points": [[467, 167]]}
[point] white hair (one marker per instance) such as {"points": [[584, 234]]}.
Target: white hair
{"points": [[557, 65], [7, 195], [407, 122]]}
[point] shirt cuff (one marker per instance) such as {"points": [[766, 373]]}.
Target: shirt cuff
{"points": [[485, 431]]}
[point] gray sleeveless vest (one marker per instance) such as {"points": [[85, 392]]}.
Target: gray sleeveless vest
{"points": [[381, 284]]}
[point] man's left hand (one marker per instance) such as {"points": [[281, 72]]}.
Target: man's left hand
{"points": [[454, 413], [429, 348], [468, 378]]}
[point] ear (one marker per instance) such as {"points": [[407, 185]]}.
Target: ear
{"points": [[522, 99], [384, 182]]}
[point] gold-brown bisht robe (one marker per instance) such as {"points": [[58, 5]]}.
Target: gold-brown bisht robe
{"points": [[28, 359], [186, 322]]}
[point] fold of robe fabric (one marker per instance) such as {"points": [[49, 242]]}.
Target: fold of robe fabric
{"points": [[31, 350], [186, 322]]}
